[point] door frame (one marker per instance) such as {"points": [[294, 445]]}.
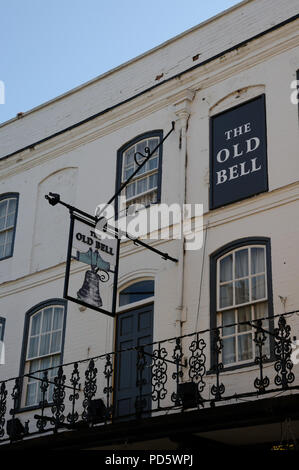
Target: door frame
{"points": [[147, 302]]}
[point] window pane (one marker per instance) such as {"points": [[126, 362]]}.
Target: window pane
{"points": [[58, 316], [143, 169], [226, 268], [130, 190], [242, 291], [257, 260], [12, 206], [245, 347], [44, 347], [31, 394], [45, 363], [244, 314], [2, 238], [226, 295], [56, 342], [2, 223], [47, 319], [129, 157], [128, 172], [153, 163], [7, 250], [241, 263], [142, 185], [153, 181], [34, 366], [35, 324], [138, 291], [33, 347], [152, 143], [258, 287], [261, 310], [140, 148], [9, 236], [3, 207], [228, 351], [228, 318], [55, 362], [10, 220]]}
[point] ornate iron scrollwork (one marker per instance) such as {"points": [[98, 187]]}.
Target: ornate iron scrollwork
{"points": [[108, 389], [15, 395], [140, 402], [197, 362], [58, 406], [3, 398], [261, 382], [41, 421], [90, 388], [178, 374], [217, 390], [73, 416], [282, 351], [159, 374]]}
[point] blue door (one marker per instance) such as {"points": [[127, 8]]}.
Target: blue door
{"points": [[134, 328]]}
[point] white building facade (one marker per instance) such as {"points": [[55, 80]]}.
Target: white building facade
{"points": [[229, 85]]}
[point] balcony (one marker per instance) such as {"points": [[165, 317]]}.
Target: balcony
{"points": [[183, 386]]}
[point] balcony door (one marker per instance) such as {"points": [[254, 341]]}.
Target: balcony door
{"points": [[134, 328]]}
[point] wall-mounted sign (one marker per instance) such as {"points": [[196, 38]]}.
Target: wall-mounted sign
{"points": [[238, 153], [96, 267]]}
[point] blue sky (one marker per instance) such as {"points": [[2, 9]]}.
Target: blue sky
{"points": [[51, 46]]}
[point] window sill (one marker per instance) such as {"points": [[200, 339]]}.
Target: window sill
{"points": [[240, 366], [6, 257], [25, 409]]}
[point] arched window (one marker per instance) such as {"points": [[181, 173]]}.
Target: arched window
{"points": [[8, 219], [145, 187], [135, 292], [42, 346], [241, 291]]}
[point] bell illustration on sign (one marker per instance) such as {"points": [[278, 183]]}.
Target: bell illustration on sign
{"points": [[90, 291], [100, 253]]}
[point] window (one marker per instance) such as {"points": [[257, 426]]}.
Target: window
{"points": [[8, 217], [243, 293], [43, 347], [145, 187], [135, 292]]}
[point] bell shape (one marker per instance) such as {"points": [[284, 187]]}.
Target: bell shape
{"points": [[90, 292]]}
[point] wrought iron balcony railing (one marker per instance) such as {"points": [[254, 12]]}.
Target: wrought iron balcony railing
{"points": [[174, 374]]}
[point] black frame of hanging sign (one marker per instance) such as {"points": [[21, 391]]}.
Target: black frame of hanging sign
{"points": [[86, 247]]}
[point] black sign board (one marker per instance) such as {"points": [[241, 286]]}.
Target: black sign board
{"points": [[95, 256], [238, 153]]}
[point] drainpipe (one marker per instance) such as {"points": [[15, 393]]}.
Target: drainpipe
{"points": [[182, 112]]}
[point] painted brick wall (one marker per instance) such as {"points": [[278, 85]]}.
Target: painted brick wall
{"points": [[224, 31]]}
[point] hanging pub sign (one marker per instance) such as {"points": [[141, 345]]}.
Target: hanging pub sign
{"points": [[96, 268], [238, 153]]}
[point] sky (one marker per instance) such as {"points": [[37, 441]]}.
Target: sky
{"points": [[49, 47]]}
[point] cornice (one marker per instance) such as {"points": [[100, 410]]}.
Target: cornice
{"points": [[167, 94]]}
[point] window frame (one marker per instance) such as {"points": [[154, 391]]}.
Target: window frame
{"points": [[3, 197], [26, 331], [214, 257], [2, 323], [119, 164]]}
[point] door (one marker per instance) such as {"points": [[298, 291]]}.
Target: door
{"points": [[134, 328]]}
